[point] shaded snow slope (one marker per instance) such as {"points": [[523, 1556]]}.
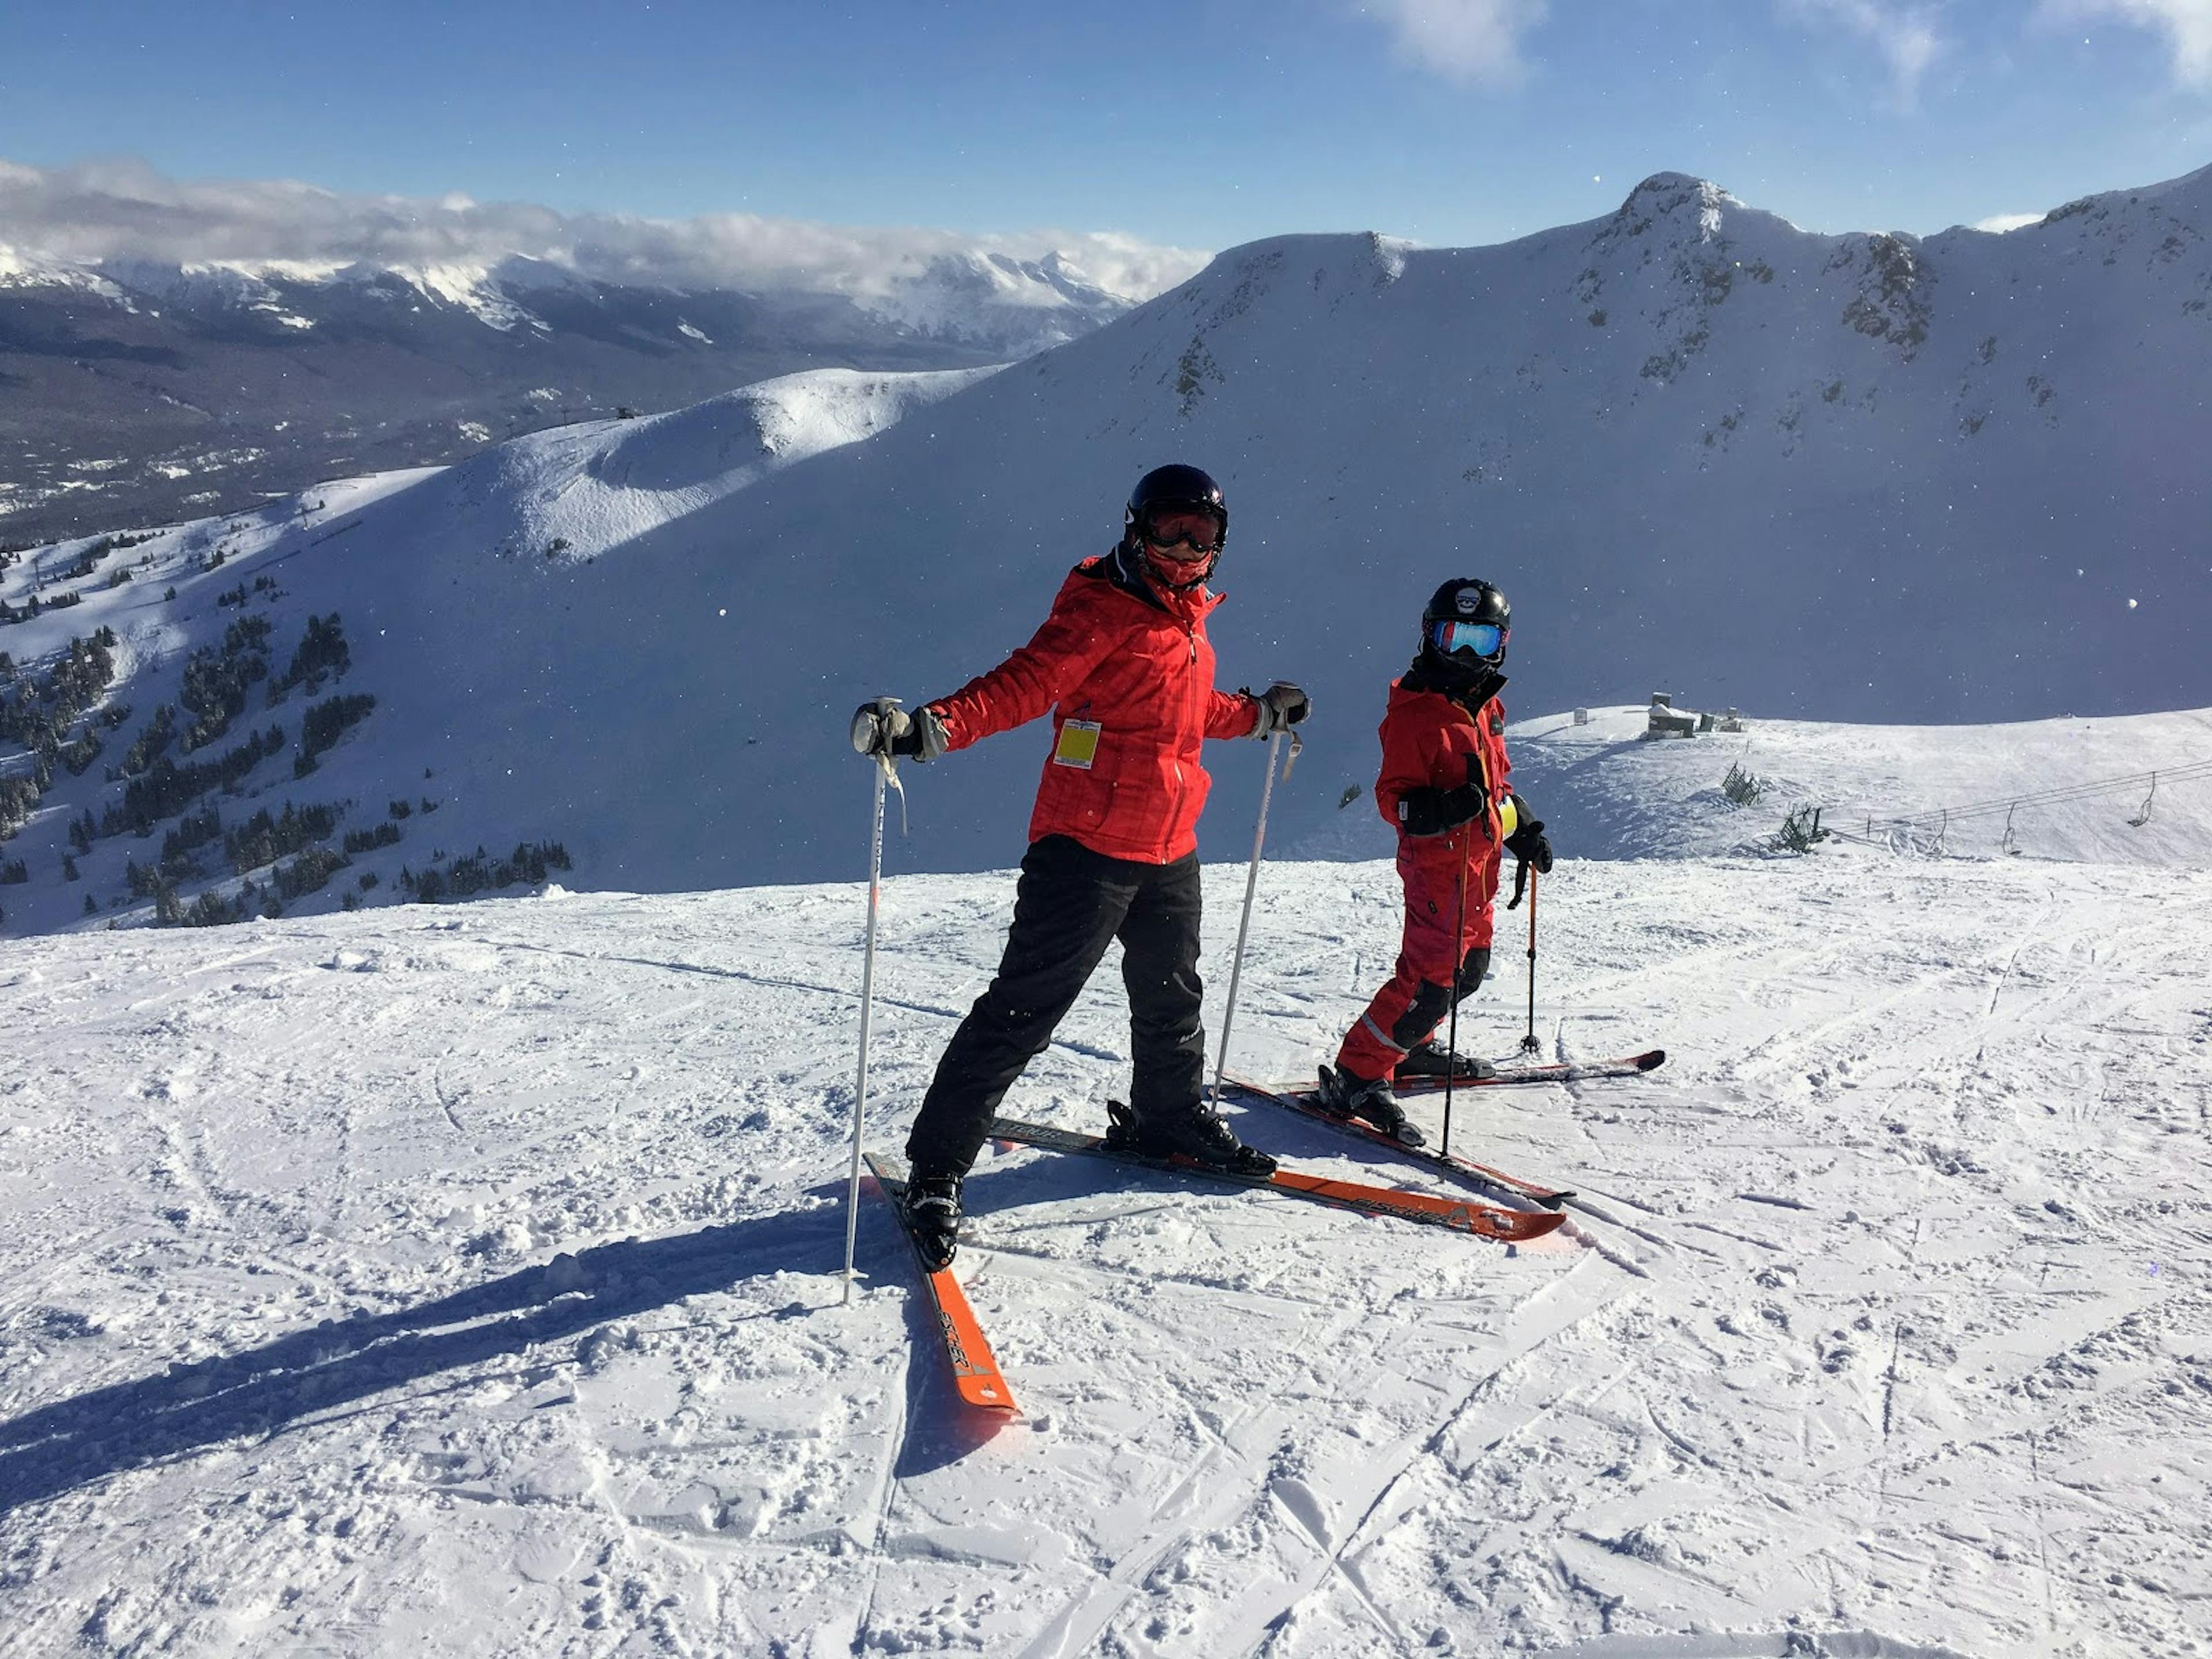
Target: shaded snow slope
{"points": [[525, 687], [464, 1284], [2064, 788]]}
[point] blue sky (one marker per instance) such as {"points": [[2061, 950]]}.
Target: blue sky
{"points": [[1199, 125]]}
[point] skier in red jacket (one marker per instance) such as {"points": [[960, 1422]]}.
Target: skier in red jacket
{"points": [[1442, 787], [1124, 665]]}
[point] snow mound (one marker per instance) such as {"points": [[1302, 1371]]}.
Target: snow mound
{"points": [[580, 491], [2066, 789]]}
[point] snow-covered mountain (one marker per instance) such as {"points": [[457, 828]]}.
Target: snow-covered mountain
{"points": [[1828, 478], [133, 390]]}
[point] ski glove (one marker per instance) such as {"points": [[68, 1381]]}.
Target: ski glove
{"points": [[1430, 812], [1282, 706], [1526, 842], [883, 727]]}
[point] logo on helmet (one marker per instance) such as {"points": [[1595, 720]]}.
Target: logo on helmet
{"points": [[1467, 600]]}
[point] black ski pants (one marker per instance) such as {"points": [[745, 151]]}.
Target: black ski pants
{"points": [[1071, 904]]}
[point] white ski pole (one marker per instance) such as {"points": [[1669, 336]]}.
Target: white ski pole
{"points": [[1251, 886], [884, 775]]}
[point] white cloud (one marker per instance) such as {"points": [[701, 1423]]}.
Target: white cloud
{"points": [[2186, 24], [1905, 35], [125, 210], [1468, 41]]}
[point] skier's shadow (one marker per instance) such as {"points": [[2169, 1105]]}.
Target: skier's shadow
{"points": [[70, 1443]]}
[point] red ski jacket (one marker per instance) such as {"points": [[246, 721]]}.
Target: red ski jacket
{"points": [[1431, 741], [1130, 684]]}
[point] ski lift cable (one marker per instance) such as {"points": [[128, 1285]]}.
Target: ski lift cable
{"points": [[1938, 816]]}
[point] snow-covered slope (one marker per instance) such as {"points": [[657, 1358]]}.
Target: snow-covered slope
{"points": [[2131, 789], [584, 490], [1844, 478], [464, 1283], [507, 618]]}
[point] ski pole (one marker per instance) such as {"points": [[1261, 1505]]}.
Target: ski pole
{"points": [[884, 775], [1251, 885], [1528, 1043], [1459, 966]]}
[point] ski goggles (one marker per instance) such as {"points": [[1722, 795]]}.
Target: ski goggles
{"points": [[1197, 527], [1471, 639]]}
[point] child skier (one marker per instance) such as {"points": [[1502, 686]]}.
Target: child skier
{"points": [[1442, 788], [1125, 666]]}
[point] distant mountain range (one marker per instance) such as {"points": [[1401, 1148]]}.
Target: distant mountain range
{"points": [[132, 392], [1863, 478]]}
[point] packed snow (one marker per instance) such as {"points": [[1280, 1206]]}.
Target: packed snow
{"points": [[2126, 789], [466, 1281]]}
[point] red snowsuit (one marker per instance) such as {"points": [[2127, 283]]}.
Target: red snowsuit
{"points": [[1113, 847], [1130, 686], [1431, 741]]}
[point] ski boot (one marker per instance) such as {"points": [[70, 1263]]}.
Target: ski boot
{"points": [[1196, 1133], [1430, 1060], [932, 1215], [1370, 1101]]}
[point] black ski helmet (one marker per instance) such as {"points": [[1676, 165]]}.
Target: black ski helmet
{"points": [[1464, 600], [1174, 486]]}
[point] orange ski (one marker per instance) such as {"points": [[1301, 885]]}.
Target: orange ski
{"points": [[975, 1368], [1461, 1215]]}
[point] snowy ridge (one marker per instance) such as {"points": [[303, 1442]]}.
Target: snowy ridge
{"points": [[466, 1282], [25, 268], [502, 613], [1955, 481], [1009, 305], [577, 492]]}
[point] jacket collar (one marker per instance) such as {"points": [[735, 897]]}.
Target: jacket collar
{"points": [[1188, 607], [1472, 698]]}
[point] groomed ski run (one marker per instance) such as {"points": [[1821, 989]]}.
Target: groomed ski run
{"points": [[468, 1279]]}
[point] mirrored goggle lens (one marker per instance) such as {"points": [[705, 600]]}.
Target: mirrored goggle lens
{"points": [[1474, 639], [1198, 528]]}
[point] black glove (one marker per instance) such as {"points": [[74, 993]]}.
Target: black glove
{"points": [[1526, 842], [1430, 812], [1282, 706], [882, 727]]}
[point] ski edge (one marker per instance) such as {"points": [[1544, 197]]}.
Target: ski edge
{"points": [[1459, 1215], [1463, 1169], [975, 1368]]}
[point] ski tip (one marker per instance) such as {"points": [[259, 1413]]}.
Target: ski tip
{"points": [[1651, 1061]]}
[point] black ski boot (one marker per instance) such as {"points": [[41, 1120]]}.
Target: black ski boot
{"points": [[1370, 1100], [1430, 1060], [932, 1215], [1196, 1132]]}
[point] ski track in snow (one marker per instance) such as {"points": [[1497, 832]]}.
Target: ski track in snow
{"points": [[465, 1281]]}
